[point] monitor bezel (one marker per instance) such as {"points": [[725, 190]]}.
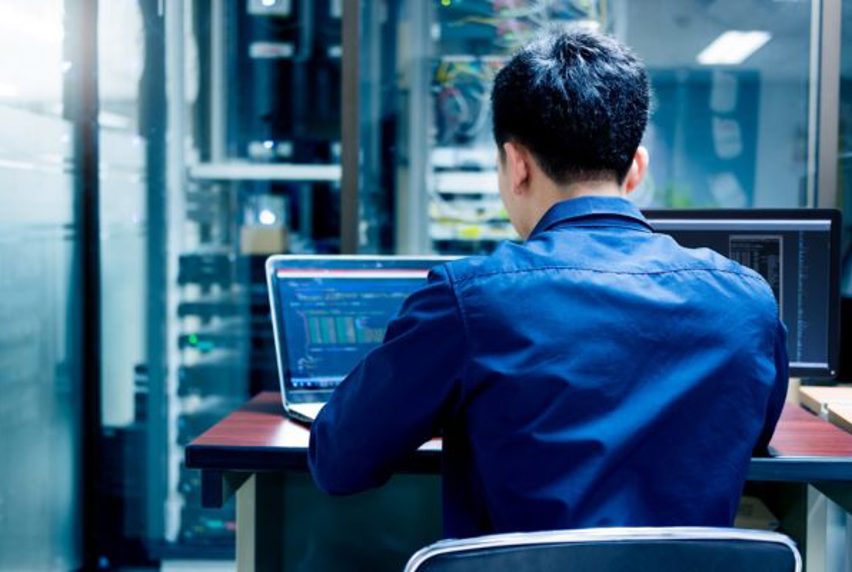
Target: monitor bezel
{"points": [[803, 214]]}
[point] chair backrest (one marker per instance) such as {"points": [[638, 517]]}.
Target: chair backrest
{"points": [[614, 550]]}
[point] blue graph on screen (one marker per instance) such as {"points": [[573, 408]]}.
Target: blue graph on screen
{"points": [[331, 323]]}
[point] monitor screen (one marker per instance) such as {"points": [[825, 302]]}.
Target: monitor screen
{"points": [[333, 314], [794, 251]]}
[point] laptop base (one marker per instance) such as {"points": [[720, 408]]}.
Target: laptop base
{"points": [[304, 412]]}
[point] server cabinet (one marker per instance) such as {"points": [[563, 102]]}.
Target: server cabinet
{"points": [[254, 136]]}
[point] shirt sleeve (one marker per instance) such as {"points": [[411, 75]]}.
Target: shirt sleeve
{"points": [[396, 398], [779, 391]]}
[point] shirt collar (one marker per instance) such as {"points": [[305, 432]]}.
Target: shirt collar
{"points": [[619, 211]]}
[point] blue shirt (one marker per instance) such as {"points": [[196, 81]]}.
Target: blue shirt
{"points": [[596, 375]]}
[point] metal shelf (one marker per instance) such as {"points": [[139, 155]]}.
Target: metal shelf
{"points": [[236, 171], [472, 232], [466, 182]]}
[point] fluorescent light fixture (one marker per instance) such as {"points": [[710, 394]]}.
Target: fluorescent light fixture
{"points": [[733, 47]]}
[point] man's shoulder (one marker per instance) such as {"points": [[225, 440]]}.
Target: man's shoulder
{"points": [[712, 261], [743, 284], [505, 258], [660, 256]]}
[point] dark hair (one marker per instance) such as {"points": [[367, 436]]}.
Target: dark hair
{"points": [[578, 100]]}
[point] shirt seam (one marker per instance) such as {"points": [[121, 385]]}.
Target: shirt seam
{"points": [[465, 279], [462, 316], [568, 225]]}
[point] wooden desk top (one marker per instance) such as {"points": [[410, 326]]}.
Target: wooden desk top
{"points": [[257, 437]]}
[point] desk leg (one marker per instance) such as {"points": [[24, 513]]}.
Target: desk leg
{"points": [[815, 517], [835, 540], [827, 534], [848, 542], [815, 551], [839, 524], [259, 524]]}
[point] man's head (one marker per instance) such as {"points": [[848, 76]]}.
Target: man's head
{"points": [[569, 113]]}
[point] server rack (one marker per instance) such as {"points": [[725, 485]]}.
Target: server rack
{"points": [[254, 133], [475, 41], [444, 56]]}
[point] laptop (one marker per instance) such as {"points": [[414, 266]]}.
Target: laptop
{"points": [[328, 312]]}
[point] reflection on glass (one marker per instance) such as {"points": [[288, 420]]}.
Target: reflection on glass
{"points": [[123, 180], [730, 104], [123, 216], [731, 80], [31, 56], [39, 389]]}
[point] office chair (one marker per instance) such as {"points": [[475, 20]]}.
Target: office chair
{"points": [[614, 550]]}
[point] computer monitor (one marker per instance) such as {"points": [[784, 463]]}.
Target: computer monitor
{"points": [[797, 251]]}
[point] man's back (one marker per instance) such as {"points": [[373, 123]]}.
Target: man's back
{"points": [[615, 378], [598, 374]]}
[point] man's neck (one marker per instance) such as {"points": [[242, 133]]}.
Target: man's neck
{"points": [[586, 189], [553, 193]]}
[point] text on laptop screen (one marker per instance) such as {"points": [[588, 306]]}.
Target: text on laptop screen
{"points": [[334, 317], [793, 256]]}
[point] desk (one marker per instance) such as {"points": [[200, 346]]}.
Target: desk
{"points": [[262, 457]]}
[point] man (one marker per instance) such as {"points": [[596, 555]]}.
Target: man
{"points": [[597, 374]]}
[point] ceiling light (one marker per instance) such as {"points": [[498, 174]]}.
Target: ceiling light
{"points": [[733, 47]]}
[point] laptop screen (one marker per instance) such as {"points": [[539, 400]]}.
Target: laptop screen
{"points": [[333, 312]]}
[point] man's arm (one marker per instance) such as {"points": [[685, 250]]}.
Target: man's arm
{"points": [[396, 398], [779, 391]]}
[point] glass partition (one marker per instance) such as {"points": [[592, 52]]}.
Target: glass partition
{"points": [[731, 122], [129, 39], [844, 168], [39, 297], [123, 209]]}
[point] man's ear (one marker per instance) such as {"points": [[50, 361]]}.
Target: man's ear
{"points": [[517, 166], [637, 170]]}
